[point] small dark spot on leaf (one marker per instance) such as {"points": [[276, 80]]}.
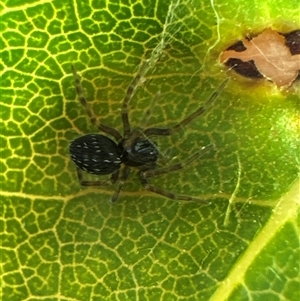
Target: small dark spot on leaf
{"points": [[292, 41], [238, 47], [247, 69]]}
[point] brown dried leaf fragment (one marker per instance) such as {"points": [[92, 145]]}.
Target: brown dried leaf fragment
{"points": [[270, 55]]}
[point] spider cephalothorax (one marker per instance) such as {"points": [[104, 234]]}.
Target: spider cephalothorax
{"points": [[98, 154]]}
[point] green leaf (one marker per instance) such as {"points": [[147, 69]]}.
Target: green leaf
{"points": [[61, 241]]}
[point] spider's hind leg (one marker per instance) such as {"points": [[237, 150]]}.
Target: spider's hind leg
{"points": [[112, 180], [137, 80], [121, 182], [106, 129]]}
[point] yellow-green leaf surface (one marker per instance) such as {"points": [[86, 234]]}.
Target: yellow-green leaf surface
{"points": [[61, 241]]}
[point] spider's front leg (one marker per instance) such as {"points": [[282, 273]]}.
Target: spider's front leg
{"points": [[169, 194], [146, 174], [169, 131]]}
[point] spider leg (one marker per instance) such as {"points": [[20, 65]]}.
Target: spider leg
{"points": [[160, 171], [147, 114], [145, 175], [169, 194], [169, 131], [129, 94], [93, 118], [82, 182], [121, 183]]}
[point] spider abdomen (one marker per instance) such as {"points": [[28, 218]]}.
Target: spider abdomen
{"points": [[96, 154]]}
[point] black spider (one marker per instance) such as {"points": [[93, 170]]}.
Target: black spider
{"points": [[100, 155]]}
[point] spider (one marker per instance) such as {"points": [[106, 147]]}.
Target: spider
{"points": [[100, 155]]}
